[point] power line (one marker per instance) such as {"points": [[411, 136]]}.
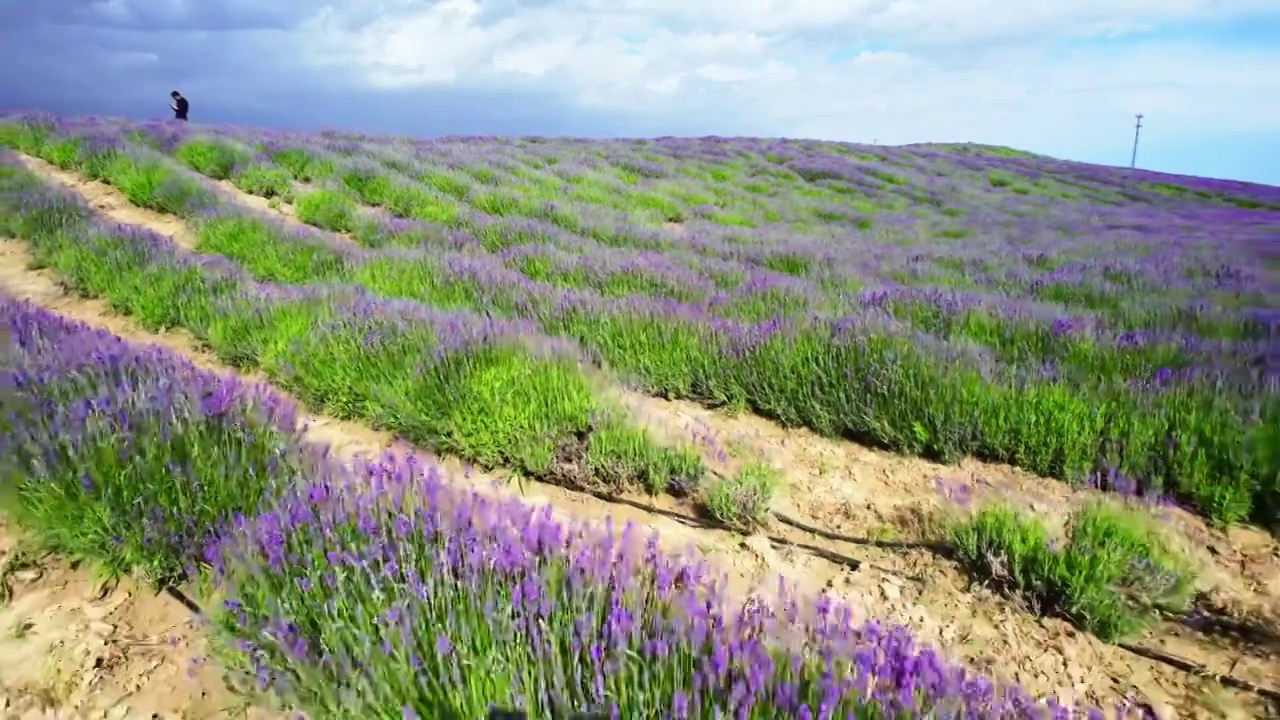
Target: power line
{"points": [[1137, 128]]}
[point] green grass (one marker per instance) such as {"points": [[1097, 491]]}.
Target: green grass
{"points": [[1112, 575], [327, 209], [212, 158], [303, 166], [244, 238], [742, 501], [264, 180]]}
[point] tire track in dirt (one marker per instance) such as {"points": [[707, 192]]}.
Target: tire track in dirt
{"points": [[853, 493]]}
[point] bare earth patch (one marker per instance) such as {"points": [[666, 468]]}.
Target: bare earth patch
{"points": [[850, 519], [275, 206], [110, 202], [72, 649]]}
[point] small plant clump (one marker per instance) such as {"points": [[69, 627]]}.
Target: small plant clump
{"points": [[1112, 574], [741, 500]]}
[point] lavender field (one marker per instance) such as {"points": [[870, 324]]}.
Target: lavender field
{"points": [[1083, 323], [488, 299]]}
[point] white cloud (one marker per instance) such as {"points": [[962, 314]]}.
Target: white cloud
{"points": [[436, 46], [1057, 76], [956, 69], [116, 11], [537, 58], [665, 86]]}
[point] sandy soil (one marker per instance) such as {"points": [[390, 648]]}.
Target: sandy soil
{"points": [[849, 519], [275, 206]]}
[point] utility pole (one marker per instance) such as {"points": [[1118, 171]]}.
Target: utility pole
{"points": [[1137, 128]]}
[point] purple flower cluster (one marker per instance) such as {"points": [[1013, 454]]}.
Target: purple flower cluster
{"points": [[93, 425], [829, 257], [401, 592], [1112, 296]]}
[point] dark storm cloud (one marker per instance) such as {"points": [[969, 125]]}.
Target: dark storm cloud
{"points": [[208, 15], [245, 77], [112, 68]]}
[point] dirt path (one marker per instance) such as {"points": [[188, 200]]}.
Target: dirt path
{"points": [[867, 507], [277, 206], [71, 649], [876, 501]]}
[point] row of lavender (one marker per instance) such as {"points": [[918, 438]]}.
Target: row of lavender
{"points": [[1142, 284], [1149, 265], [1200, 434], [496, 393], [1104, 229], [1145, 284], [375, 591]]}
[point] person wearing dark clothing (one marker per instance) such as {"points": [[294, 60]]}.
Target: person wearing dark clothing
{"points": [[179, 106]]}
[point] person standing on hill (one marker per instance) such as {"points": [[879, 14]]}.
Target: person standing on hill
{"points": [[180, 106]]}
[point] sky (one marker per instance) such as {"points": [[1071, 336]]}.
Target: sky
{"points": [[1059, 77]]}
